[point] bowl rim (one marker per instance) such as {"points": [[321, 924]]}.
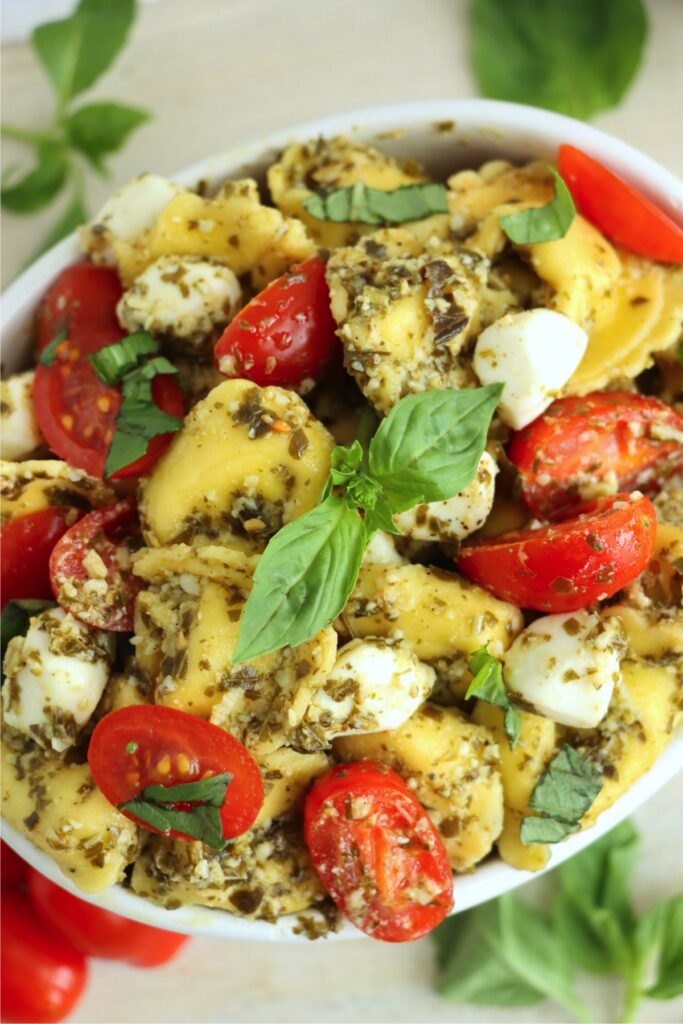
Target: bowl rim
{"points": [[487, 121]]}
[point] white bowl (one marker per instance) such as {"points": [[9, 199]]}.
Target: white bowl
{"points": [[480, 129]]}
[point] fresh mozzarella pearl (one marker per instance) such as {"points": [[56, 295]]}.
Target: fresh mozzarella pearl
{"points": [[134, 208], [457, 517], [55, 676], [184, 298], [566, 666], [533, 354], [20, 432], [382, 550]]}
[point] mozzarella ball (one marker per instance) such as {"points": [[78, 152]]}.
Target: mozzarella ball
{"points": [[457, 517], [54, 678], [382, 550], [533, 354], [20, 434], [185, 299], [129, 212], [565, 667]]}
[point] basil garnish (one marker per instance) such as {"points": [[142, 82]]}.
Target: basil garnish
{"points": [[203, 822], [488, 685], [113, 361], [563, 794], [542, 223], [16, 616], [364, 205], [48, 355]]}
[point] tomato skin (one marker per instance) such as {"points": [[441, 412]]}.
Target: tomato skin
{"points": [[286, 334], [26, 544], [42, 975], [14, 871], [619, 210], [567, 565], [82, 296], [390, 847], [95, 931], [163, 732], [587, 439]]}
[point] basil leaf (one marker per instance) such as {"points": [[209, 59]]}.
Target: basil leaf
{"points": [[203, 822], [139, 419], [542, 223], [76, 50], [209, 791], [15, 618], [39, 187], [664, 923], [488, 685], [49, 353], [429, 446], [73, 216], [564, 792], [545, 830], [345, 463], [364, 205], [578, 58], [114, 361], [379, 517], [303, 579], [102, 128]]}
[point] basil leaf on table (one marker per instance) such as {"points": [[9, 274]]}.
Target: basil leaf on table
{"points": [[41, 184], [576, 57], [98, 129], [668, 946], [542, 223], [15, 618], [303, 579], [488, 685], [429, 446], [563, 794], [364, 205]]}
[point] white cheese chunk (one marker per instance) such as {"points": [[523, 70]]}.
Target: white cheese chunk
{"points": [[382, 551], [54, 678], [134, 207], [20, 434], [457, 517], [186, 299], [533, 354], [565, 667]]}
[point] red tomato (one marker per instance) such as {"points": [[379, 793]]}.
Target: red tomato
{"points": [[377, 853], [41, 975], [109, 532], [149, 744], [583, 440], [286, 334], [618, 209], [567, 565], [97, 932], [82, 297], [25, 547], [13, 870]]}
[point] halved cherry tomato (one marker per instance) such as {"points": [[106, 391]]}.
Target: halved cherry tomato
{"points": [[13, 869], [149, 744], [377, 853], [76, 412], [618, 209], [568, 565], [286, 334], [41, 974], [26, 544], [581, 441], [98, 932], [98, 547]]}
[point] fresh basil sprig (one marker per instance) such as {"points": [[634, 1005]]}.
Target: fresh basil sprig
{"points": [[542, 223], [203, 821], [488, 685], [563, 794], [361, 204], [16, 616], [74, 52], [427, 449]]}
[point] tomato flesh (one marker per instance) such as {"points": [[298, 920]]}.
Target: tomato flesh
{"points": [[82, 298], [26, 544], [582, 441], [567, 565], [13, 869], [95, 931], [377, 853], [149, 745], [286, 334], [619, 210]]}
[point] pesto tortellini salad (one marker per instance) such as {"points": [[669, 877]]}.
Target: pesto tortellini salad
{"points": [[342, 533]]}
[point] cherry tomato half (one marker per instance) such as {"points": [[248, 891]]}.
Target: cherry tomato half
{"points": [[149, 744], [568, 565], [26, 544], [98, 932], [377, 853], [13, 869], [286, 334], [41, 975], [618, 209], [583, 440], [83, 296], [98, 548]]}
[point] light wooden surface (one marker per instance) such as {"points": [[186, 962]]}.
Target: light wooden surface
{"points": [[216, 73]]}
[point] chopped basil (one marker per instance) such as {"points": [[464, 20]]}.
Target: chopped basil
{"points": [[47, 356], [488, 685], [563, 794], [16, 616], [154, 806], [364, 205], [542, 223], [113, 361]]}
